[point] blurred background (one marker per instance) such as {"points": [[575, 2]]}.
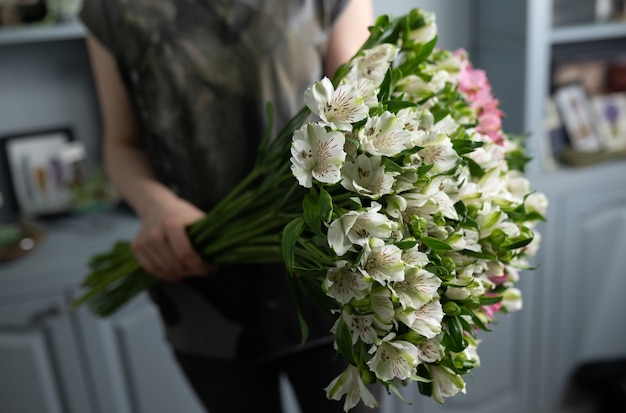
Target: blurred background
{"points": [[558, 68]]}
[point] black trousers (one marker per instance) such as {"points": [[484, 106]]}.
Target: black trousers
{"points": [[242, 387]]}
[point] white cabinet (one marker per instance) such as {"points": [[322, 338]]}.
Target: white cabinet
{"points": [[574, 316], [133, 369], [41, 367], [56, 359]]}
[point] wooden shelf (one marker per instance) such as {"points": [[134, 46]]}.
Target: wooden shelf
{"points": [[588, 32]]}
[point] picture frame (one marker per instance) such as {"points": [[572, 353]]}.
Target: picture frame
{"points": [[577, 116], [44, 167], [610, 113]]}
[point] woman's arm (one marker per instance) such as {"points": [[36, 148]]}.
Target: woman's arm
{"points": [[162, 246], [349, 34]]}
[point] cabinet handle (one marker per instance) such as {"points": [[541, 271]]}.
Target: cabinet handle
{"points": [[34, 322]]}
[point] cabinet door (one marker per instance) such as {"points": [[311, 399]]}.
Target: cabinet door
{"points": [[41, 370], [587, 303], [132, 366]]}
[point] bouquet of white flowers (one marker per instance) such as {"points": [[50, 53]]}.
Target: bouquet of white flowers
{"points": [[417, 202], [408, 220]]}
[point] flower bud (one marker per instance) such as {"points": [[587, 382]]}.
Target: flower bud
{"points": [[451, 308]]}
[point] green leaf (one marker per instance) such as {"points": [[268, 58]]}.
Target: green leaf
{"points": [[474, 168], [484, 255], [325, 206], [391, 166], [489, 300], [290, 235], [395, 391], [479, 323], [518, 244], [435, 244], [463, 146], [406, 244], [425, 387], [311, 211], [343, 338], [455, 335], [395, 106]]}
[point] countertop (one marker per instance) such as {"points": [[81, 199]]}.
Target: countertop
{"points": [[61, 258]]}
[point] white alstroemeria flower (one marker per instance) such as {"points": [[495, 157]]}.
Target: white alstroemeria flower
{"points": [[471, 238], [382, 306], [350, 384], [431, 350], [537, 202], [517, 185], [457, 293], [416, 119], [396, 205], [463, 239], [317, 154], [405, 180], [493, 187], [446, 383], [452, 64], [488, 156], [357, 227], [470, 193], [489, 218], [417, 88], [367, 176], [418, 288], [531, 249], [427, 32], [437, 151], [369, 90], [415, 258], [512, 299], [510, 229], [374, 63], [343, 283], [425, 320], [384, 135], [382, 262], [447, 125], [470, 354], [429, 202], [393, 359], [360, 327], [339, 107]]}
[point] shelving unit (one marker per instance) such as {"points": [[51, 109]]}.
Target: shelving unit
{"points": [[587, 32], [45, 83], [41, 33], [579, 266]]}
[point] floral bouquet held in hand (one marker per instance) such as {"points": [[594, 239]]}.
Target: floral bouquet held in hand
{"points": [[417, 209], [408, 220]]}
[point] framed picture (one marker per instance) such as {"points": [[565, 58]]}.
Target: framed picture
{"points": [[610, 113], [44, 167], [577, 116]]}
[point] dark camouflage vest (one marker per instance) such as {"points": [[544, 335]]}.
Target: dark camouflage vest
{"points": [[199, 73]]}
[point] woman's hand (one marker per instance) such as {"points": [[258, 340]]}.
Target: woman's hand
{"points": [[162, 246]]}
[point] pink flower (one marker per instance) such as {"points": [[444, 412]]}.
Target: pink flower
{"points": [[490, 310], [476, 87]]}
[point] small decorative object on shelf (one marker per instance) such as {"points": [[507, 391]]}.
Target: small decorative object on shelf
{"points": [[44, 167], [17, 238], [20, 12], [24, 13], [619, 9], [575, 110], [610, 115]]}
